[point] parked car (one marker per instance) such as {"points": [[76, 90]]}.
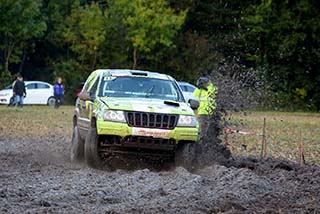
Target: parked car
{"points": [[125, 112], [38, 92], [187, 90]]}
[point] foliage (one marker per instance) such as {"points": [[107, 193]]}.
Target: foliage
{"points": [[149, 23], [84, 33], [21, 21], [81, 37], [5, 79], [286, 34], [274, 41]]}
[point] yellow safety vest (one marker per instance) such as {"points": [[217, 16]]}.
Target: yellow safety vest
{"points": [[207, 99]]}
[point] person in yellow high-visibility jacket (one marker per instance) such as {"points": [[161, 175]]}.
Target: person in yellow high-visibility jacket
{"points": [[206, 94]]}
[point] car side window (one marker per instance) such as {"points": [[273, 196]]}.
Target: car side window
{"points": [[89, 82], [31, 86], [190, 89], [183, 88], [94, 88], [42, 86]]}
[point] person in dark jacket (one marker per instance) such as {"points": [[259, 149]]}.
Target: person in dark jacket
{"points": [[19, 91], [58, 92]]}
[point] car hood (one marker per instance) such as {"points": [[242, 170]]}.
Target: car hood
{"points": [[147, 105]]}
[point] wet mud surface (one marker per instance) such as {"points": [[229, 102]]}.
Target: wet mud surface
{"points": [[36, 176]]}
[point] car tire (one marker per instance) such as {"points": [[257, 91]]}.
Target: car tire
{"points": [[77, 146], [185, 155], [91, 149], [51, 101]]}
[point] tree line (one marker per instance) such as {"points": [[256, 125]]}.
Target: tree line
{"points": [[276, 40]]}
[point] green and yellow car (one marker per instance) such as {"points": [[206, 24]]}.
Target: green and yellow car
{"points": [[125, 112]]}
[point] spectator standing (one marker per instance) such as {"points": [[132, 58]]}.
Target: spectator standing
{"points": [[206, 94], [19, 91], [58, 92]]}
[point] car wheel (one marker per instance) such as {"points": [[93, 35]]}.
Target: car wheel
{"points": [[51, 101], [185, 155], [91, 149], [77, 146]]}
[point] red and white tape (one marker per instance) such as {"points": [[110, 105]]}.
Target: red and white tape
{"points": [[232, 131]]}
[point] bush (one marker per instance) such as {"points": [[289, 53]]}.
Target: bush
{"points": [[5, 79]]}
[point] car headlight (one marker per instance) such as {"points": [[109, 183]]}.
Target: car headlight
{"points": [[187, 121], [116, 116]]}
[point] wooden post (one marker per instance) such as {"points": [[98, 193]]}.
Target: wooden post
{"points": [[226, 141], [301, 152], [264, 137], [263, 143]]}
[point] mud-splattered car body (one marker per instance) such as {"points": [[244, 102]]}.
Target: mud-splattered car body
{"points": [[133, 112]]}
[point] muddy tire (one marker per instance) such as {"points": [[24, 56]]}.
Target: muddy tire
{"points": [[91, 149], [185, 155], [77, 146]]}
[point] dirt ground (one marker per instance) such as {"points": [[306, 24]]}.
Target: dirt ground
{"points": [[36, 176]]}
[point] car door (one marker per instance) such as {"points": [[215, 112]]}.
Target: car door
{"points": [[31, 90], [190, 89], [184, 92], [85, 106], [44, 92]]}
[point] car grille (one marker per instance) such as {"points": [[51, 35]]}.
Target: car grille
{"points": [[151, 120]]}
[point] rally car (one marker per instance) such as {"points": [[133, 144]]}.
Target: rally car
{"points": [[133, 112]]}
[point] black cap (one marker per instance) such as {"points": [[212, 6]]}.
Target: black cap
{"points": [[202, 82]]}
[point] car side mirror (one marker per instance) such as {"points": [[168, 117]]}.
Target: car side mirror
{"points": [[86, 96], [194, 104]]}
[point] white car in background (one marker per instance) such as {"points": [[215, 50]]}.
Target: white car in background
{"points": [[38, 92], [187, 90]]}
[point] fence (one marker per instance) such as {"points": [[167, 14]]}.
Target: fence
{"points": [[264, 144]]}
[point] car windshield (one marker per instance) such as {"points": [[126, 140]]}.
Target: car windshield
{"points": [[140, 87]]}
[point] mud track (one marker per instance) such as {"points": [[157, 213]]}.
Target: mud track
{"points": [[36, 176]]}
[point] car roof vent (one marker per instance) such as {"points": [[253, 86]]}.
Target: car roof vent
{"points": [[139, 73], [172, 103]]}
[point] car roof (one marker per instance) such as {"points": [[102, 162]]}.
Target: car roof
{"points": [[185, 83], [26, 82], [129, 72], [29, 82]]}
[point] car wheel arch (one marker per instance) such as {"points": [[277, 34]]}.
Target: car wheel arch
{"points": [[75, 120], [48, 100], [93, 122]]}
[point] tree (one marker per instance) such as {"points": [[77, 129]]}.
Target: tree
{"points": [[288, 53], [85, 33], [149, 23], [21, 21], [213, 34], [115, 49]]}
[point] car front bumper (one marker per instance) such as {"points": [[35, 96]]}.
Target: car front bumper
{"points": [[178, 134], [4, 100]]}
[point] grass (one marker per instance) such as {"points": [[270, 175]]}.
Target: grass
{"points": [[34, 122], [284, 131]]}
